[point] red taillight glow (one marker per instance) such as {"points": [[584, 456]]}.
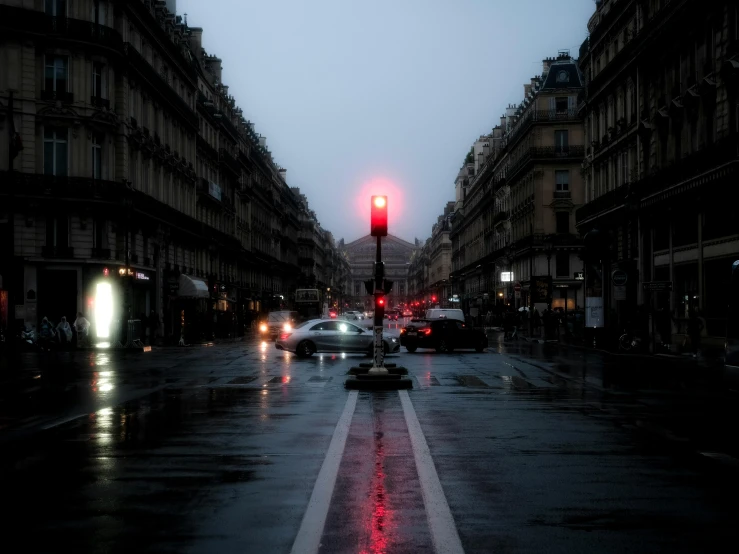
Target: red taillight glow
{"points": [[426, 331], [402, 330], [284, 336]]}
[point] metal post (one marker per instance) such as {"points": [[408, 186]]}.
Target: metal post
{"points": [[531, 285], [378, 359], [10, 264]]}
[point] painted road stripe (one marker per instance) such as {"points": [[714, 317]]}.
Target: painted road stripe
{"points": [[441, 523], [308, 539]]}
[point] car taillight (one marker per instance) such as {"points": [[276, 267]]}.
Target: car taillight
{"points": [[284, 336], [426, 331], [402, 330]]}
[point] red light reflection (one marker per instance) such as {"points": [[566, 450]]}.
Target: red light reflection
{"points": [[382, 515]]}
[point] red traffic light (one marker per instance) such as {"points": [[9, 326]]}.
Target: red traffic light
{"points": [[433, 299], [380, 301], [378, 216]]}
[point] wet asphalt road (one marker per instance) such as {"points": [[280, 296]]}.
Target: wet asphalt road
{"points": [[218, 449]]}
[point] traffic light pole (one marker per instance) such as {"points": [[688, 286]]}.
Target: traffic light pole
{"points": [[378, 358]]}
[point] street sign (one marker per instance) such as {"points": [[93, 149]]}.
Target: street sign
{"points": [[658, 286], [619, 277], [517, 287]]}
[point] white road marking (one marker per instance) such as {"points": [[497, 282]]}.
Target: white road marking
{"points": [[444, 533], [309, 535]]}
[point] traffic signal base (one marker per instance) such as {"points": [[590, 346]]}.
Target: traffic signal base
{"points": [[363, 378]]}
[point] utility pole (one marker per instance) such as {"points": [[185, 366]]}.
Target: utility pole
{"points": [[10, 265]]}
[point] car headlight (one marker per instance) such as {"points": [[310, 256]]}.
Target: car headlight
{"points": [[263, 328], [394, 340], [287, 327]]}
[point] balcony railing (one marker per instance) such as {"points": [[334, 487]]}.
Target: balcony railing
{"points": [[36, 184], [573, 152], [159, 86], [207, 148], [100, 102], [57, 252], [55, 95], [562, 194], [230, 162], [537, 116]]}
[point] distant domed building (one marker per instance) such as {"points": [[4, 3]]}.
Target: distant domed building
{"points": [[396, 253]]}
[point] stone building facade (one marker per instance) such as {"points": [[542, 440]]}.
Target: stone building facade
{"points": [[360, 254], [661, 120], [137, 170], [516, 195]]}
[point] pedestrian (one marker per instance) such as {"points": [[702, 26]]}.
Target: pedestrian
{"points": [[46, 332], [64, 332], [695, 328], [516, 321], [82, 327], [153, 326], [537, 321]]}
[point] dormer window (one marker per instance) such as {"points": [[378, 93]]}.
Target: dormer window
{"points": [[563, 76]]}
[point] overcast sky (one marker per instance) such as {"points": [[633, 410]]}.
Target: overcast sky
{"points": [[383, 96]]}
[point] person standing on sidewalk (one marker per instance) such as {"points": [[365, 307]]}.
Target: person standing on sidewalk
{"points": [[695, 328]]}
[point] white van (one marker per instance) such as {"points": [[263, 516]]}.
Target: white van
{"points": [[445, 313]]}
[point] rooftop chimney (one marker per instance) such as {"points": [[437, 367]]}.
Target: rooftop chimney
{"points": [[262, 141], [547, 63], [196, 41], [283, 174], [526, 90]]}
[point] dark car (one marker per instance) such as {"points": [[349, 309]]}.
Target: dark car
{"points": [[444, 335]]}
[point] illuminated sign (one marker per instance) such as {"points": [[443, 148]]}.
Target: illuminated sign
{"points": [[506, 276], [142, 276]]}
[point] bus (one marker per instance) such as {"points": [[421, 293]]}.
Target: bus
{"points": [[308, 303]]}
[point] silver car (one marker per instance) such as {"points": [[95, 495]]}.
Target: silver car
{"points": [[331, 335]]}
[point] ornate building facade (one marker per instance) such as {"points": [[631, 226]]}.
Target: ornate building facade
{"points": [[133, 166], [661, 117], [360, 254], [515, 200]]}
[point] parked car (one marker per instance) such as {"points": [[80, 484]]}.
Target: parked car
{"points": [[444, 335], [392, 315], [445, 313], [278, 321], [331, 335], [407, 313], [352, 315]]}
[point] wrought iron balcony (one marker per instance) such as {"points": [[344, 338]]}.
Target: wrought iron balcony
{"points": [[57, 252], [37, 184], [159, 86], [100, 102], [55, 95], [229, 162], [562, 194], [100, 253]]}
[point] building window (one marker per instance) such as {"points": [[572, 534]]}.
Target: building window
{"points": [[99, 233], [57, 231], [562, 179], [56, 8], [563, 222], [98, 80], [97, 156], [562, 104], [55, 151], [624, 168], [98, 12], [563, 264], [56, 74], [561, 142]]}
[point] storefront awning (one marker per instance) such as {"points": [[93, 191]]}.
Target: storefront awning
{"points": [[192, 287]]}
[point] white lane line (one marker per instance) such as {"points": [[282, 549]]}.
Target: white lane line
{"points": [[309, 535], [441, 523]]}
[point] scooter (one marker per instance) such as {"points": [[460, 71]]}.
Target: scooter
{"points": [[27, 338]]}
